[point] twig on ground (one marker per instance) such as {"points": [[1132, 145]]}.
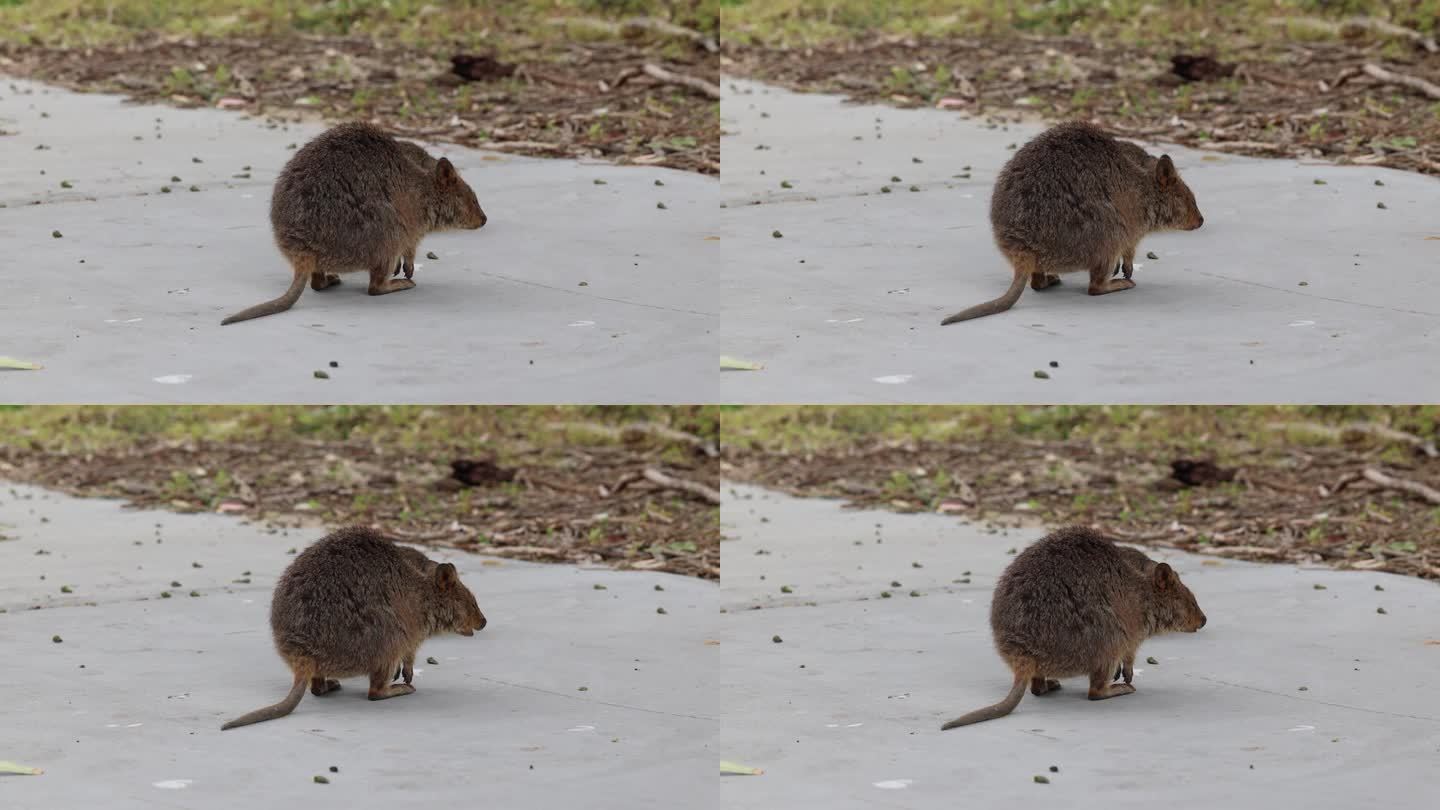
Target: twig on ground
{"points": [[1426, 446], [706, 493], [633, 429], [1352, 24], [702, 86], [1413, 487], [643, 24], [1234, 551], [1414, 82]]}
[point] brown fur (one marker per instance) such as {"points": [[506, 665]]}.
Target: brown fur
{"points": [[354, 199], [1075, 604], [1076, 199], [355, 604]]}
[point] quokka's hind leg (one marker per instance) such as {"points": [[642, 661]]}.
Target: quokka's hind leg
{"points": [[1101, 282], [321, 685], [1041, 685], [380, 686], [323, 281], [381, 283], [1043, 281], [1101, 688]]}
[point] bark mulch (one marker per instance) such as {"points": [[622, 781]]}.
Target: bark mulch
{"points": [[592, 99], [1297, 99], [641, 503], [1370, 502]]}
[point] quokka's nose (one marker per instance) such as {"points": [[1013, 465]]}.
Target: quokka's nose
{"points": [[1202, 621]]}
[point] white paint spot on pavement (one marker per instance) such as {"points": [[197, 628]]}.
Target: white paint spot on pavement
{"points": [[117, 320], [174, 379], [1302, 323], [128, 725], [174, 784], [894, 784], [1303, 728], [837, 320], [895, 379], [848, 725], [581, 728], [583, 323]]}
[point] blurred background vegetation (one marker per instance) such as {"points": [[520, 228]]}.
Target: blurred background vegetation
{"points": [[798, 22], [84, 22], [421, 429], [1184, 428]]}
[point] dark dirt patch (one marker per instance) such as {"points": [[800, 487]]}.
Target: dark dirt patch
{"points": [[1296, 503], [1269, 99], [577, 100], [590, 504]]}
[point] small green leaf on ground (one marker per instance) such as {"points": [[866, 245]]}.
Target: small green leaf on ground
{"points": [[736, 769], [18, 365], [736, 364], [16, 768]]}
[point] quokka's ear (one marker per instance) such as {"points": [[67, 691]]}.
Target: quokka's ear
{"points": [[1165, 173], [445, 172]]}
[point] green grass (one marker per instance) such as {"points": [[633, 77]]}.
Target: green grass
{"points": [[798, 22], [76, 429], [797, 428], [473, 22]]}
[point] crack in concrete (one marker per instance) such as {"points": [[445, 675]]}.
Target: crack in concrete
{"points": [[1289, 696], [579, 699], [578, 294], [1288, 291]]}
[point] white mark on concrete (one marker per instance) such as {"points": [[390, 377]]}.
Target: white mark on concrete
{"points": [[581, 728], [1302, 323], [583, 323], [174, 379], [117, 725], [1303, 728], [117, 320], [895, 379], [837, 320], [894, 784], [174, 784], [849, 725]]}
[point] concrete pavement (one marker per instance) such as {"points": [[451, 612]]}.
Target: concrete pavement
{"points": [[1291, 292], [580, 289], [1291, 696], [571, 696]]}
